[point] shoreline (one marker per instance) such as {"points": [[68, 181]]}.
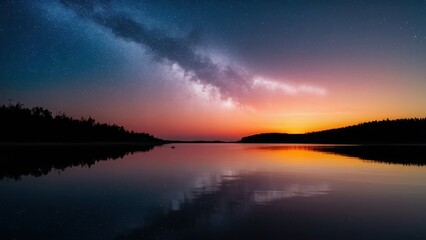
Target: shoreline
{"points": [[52, 144]]}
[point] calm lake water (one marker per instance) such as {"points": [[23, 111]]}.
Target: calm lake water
{"points": [[219, 191]]}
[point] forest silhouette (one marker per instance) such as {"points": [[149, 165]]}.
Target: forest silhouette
{"points": [[21, 124], [406, 131]]}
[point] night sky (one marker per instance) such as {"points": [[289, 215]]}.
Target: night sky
{"points": [[216, 69]]}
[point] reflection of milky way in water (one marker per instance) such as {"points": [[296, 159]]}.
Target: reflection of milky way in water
{"points": [[218, 201], [260, 195]]}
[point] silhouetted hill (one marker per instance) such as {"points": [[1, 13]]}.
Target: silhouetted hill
{"points": [[20, 124], [386, 131]]}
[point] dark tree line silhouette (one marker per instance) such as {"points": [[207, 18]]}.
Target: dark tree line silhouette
{"points": [[21, 124], [411, 130]]}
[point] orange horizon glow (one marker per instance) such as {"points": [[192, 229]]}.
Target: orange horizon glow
{"points": [[368, 93]]}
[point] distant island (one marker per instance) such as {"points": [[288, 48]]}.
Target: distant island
{"points": [[38, 125], [400, 131]]}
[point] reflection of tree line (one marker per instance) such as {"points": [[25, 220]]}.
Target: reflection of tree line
{"points": [[38, 160], [392, 154]]}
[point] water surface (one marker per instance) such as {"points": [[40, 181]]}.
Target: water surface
{"points": [[217, 191]]}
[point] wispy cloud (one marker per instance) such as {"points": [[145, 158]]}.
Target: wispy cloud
{"points": [[288, 88]]}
